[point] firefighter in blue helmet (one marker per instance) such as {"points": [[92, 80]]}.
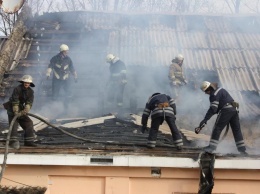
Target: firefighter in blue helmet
{"points": [[223, 104], [161, 107]]}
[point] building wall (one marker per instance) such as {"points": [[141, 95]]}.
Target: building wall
{"points": [[128, 180]]}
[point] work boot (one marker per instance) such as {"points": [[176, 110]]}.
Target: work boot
{"points": [[14, 144], [243, 152], [30, 144], [209, 149]]}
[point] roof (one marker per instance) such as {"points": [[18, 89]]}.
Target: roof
{"points": [[108, 137], [222, 49], [216, 48]]}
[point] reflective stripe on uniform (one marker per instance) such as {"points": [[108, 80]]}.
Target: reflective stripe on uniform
{"points": [[172, 102], [123, 72], [146, 111], [178, 142], [66, 76], [56, 74], [167, 110], [151, 143], [29, 138], [58, 65], [215, 104], [214, 142], [240, 144], [216, 92], [228, 106]]}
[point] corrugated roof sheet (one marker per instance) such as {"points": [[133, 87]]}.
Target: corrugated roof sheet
{"points": [[217, 45], [236, 79]]}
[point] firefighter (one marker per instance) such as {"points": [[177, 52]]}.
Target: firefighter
{"points": [[223, 104], [20, 104], [161, 107], [176, 76], [62, 66], [117, 80]]}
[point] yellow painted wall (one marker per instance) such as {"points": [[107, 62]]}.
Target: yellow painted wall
{"points": [[127, 180]]}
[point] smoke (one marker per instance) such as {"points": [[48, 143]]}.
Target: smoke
{"points": [[146, 45]]}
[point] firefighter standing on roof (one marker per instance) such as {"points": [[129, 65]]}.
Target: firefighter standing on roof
{"points": [[20, 104], [62, 66], [117, 80], [161, 107], [176, 75], [227, 109]]}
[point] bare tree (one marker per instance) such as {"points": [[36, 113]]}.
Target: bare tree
{"points": [[148, 6], [8, 21]]}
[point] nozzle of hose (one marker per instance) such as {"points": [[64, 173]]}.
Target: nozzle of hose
{"points": [[198, 129]]}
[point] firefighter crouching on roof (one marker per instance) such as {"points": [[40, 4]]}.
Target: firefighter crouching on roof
{"points": [[62, 66], [161, 107], [223, 104], [20, 104], [176, 75], [117, 80]]}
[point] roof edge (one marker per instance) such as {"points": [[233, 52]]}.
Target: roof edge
{"points": [[125, 160]]}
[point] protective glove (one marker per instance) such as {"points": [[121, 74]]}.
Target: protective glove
{"points": [[203, 122], [23, 113], [26, 109], [18, 114], [143, 129], [48, 73], [15, 109]]}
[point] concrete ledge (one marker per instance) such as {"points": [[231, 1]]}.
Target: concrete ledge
{"points": [[126, 160]]}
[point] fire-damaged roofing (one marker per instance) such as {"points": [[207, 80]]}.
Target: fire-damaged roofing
{"points": [[216, 48], [107, 135]]}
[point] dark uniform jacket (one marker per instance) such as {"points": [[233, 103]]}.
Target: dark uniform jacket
{"points": [[219, 99], [21, 97], [62, 66], [159, 105], [117, 71]]}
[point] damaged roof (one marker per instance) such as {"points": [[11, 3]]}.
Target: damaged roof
{"points": [[108, 135], [216, 48]]}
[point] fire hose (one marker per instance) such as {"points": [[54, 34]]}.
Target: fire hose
{"points": [[65, 132], [198, 129], [7, 146], [62, 131]]}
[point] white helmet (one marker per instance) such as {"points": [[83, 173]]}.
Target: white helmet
{"points": [[27, 79], [204, 85], [64, 47], [179, 57], [110, 57]]}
